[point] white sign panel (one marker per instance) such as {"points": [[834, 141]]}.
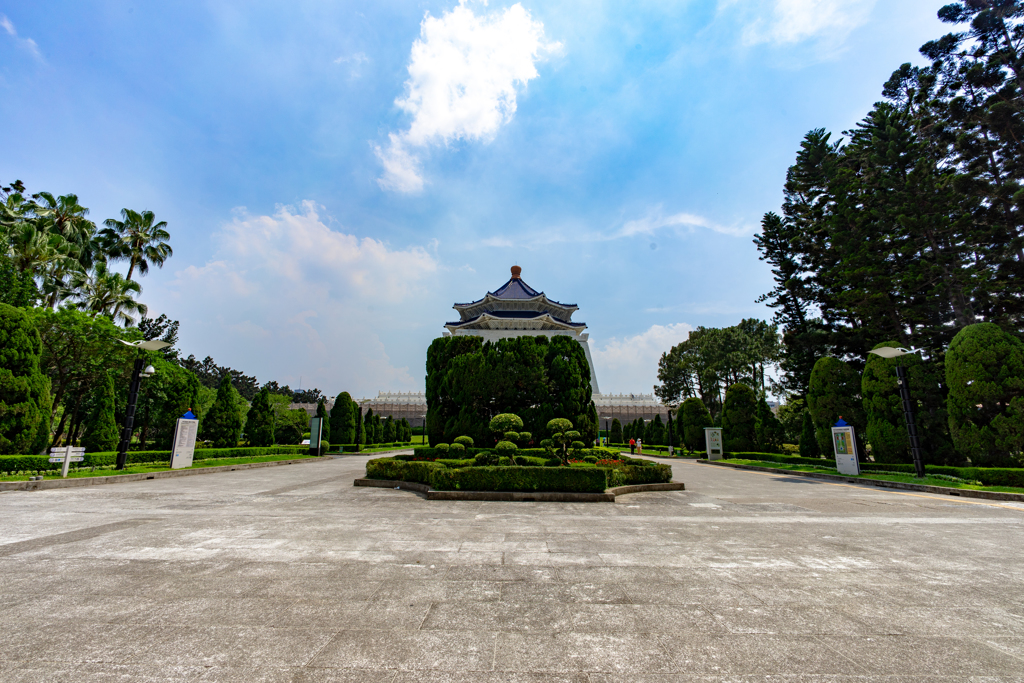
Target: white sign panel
{"points": [[184, 445], [67, 455], [713, 437], [845, 444]]}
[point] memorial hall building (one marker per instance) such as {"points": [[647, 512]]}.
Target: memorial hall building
{"points": [[514, 310]]}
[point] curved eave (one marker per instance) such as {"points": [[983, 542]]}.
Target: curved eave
{"points": [[484, 320]]}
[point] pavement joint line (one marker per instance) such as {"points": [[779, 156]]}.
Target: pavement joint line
{"points": [[70, 536], [880, 489]]}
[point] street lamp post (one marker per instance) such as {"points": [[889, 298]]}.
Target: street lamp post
{"points": [[607, 432], [138, 372], [908, 410]]}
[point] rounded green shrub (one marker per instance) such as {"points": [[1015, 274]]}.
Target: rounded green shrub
{"points": [[456, 448], [590, 458], [504, 462], [485, 459], [693, 416], [466, 441], [525, 437], [511, 436], [505, 447], [985, 377], [442, 448]]}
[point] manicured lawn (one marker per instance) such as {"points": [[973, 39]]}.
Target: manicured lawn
{"points": [[906, 478], [154, 467]]}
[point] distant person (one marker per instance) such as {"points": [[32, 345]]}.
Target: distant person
{"points": [[632, 446], [640, 446]]}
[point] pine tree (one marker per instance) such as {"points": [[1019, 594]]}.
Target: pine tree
{"points": [[102, 433], [222, 423], [389, 431], [259, 421], [808, 440], [368, 431], [24, 390], [657, 431], [343, 419], [768, 430], [739, 418], [694, 416], [834, 392], [360, 428], [985, 376]]}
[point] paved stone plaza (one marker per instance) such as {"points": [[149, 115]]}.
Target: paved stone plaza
{"points": [[292, 574]]}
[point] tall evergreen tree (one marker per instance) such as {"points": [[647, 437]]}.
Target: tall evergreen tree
{"points": [[259, 421], [739, 419], [768, 430], [102, 433], [343, 419], [616, 435], [389, 435], [694, 416], [368, 430], [24, 390], [809, 447], [834, 393], [222, 424]]}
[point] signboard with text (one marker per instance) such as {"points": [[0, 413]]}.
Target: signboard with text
{"points": [[184, 445], [713, 437], [316, 425], [845, 444]]}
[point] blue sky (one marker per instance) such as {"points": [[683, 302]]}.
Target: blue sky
{"points": [[335, 175]]}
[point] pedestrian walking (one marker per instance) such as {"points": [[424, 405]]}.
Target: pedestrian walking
{"points": [[632, 446], [640, 446]]}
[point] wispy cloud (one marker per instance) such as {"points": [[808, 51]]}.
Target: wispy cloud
{"points": [[24, 43], [464, 74], [656, 220], [793, 21], [355, 63]]}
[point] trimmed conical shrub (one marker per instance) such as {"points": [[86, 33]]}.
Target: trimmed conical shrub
{"points": [[222, 424], [343, 419], [259, 422], [24, 389], [102, 433], [739, 419], [694, 416]]}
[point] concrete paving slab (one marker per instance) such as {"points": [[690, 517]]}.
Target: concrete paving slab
{"points": [[292, 574]]}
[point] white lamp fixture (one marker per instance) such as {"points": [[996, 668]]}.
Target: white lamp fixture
{"points": [[891, 352]]}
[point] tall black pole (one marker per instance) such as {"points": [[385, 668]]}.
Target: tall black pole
{"points": [[129, 414], [908, 413], [670, 446]]}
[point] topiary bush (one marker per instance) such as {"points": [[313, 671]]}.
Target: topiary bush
{"points": [[24, 389], [442, 448], [456, 449], [985, 376], [834, 392], [466, 441], [102, 432], [486, 459], [694, 416]]}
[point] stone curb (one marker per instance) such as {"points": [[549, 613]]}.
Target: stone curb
{"points": [[141, 476], [965, 493], [520, 496]]}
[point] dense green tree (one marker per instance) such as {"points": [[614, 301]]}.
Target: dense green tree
{"points": [[222, 425], [343, 419], [24, 390], [164, 398], [259, 421], [616, 435], [360, 427], [321, 412], [768, 430], [369, 433], [405, 431], [791, 415], [102, 432], [693, 417], [809, 447], [739, 419], [985, 376], [390, 436], [834, 393], [16, 289], [886, 427]]}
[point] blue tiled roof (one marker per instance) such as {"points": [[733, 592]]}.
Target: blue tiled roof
{"points": [[515, 288]]}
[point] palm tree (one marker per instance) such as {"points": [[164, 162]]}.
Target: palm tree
{"points": [[108, 293], [136, 239], [64, 216]]}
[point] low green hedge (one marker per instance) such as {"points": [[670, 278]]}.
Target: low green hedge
{"points": [[21, 463], [565, 479], [355, 448], [988, 476], [446, 474], [426, 452]]}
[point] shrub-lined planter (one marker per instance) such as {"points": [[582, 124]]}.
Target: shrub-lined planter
{"points": [[532, 476]]}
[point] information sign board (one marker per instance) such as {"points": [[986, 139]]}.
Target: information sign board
{"points": [[713, 438], [845, 444], [315, 434], [183, 447], [67, 455]]}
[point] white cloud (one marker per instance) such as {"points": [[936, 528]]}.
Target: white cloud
{"points": [[657, 220], [25, 43], [285, 295], [793, 21], [465, 71], [630, 365]]}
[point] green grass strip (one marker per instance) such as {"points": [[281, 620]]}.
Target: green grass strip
{"points": [[145, 468]]}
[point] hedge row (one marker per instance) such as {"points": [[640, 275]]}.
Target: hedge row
{"points": [[460, 475], [988, 476], [431, 453], [21, 463], [355, 448]]}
